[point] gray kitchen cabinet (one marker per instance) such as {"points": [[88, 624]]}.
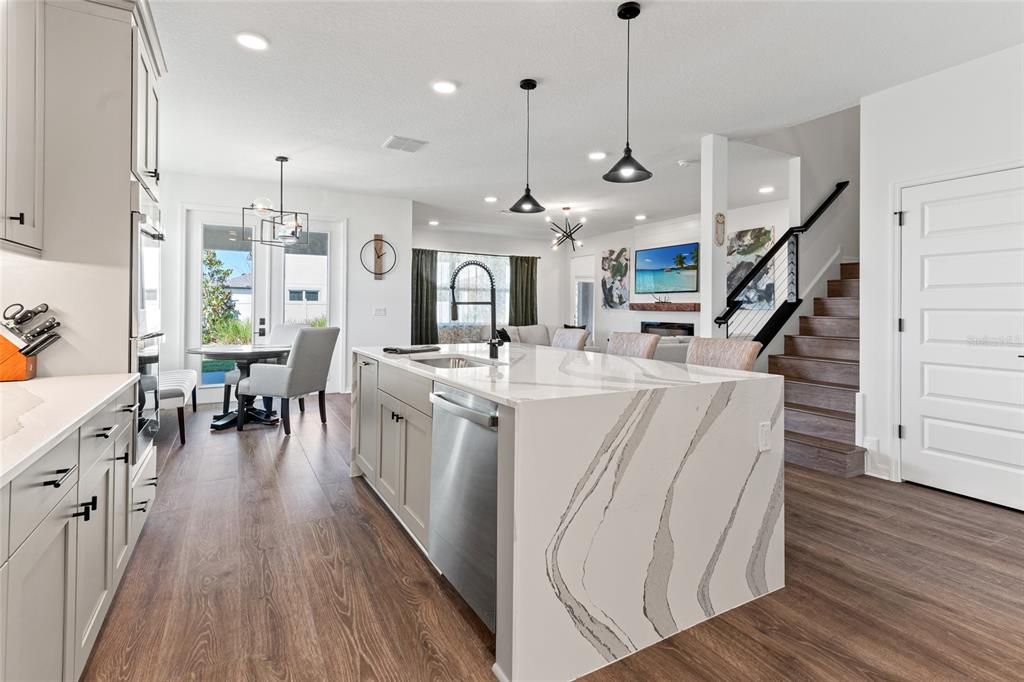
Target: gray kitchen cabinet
{"points": [[21, 138], [403, 479], [367, 445], [143, 494], [414, 492], [40, 641], [3, 612], [5, 522], [389, 474], [145, 117], [121, 541], [95, 574]]}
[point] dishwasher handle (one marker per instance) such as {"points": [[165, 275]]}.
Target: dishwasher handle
{"points": [[484, 419]]}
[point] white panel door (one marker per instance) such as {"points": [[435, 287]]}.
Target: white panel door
{"points": [[962, 351]]}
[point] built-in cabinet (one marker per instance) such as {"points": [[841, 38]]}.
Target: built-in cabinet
{"points": [[21, 122], [367, 433], [68, 529], [393, 441], [145, 116], [27, 115]]}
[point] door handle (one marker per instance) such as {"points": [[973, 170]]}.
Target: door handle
{"points": [[87, 509], [20, 218], [63, 479]]}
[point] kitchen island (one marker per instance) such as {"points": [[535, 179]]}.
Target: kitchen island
{"points": [[635, 498]]}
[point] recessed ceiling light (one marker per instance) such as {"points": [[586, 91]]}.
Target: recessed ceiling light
{"points": [[490, 200], [596, 156], [640, 217], [253, 41], [766, 190], [683, 163], [433, 223], [444, 87]]}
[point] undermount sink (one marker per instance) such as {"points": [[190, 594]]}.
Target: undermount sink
{"points": [[452, 362]]}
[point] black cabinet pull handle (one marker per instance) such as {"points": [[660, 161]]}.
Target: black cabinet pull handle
{"points": [[130, 408], [155, 174], [153, 481], [399, 417], [93, 503], [104, 432], [85, 513], [20, 218], [63, 479], [123, 458], [144, 507]]}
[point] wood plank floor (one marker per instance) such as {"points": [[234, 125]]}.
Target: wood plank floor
{"points": [[263, 560]]}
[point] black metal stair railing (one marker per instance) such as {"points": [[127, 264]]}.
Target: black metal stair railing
{"points": [[749, 311]]}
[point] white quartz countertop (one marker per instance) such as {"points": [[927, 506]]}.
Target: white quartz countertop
{"points": [[35, 415], [524, 372]]}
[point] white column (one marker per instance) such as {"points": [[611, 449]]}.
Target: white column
{"points": [[714, 199]]}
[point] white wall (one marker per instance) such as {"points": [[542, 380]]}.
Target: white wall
{"points": [[551, 283], [652, 235], [365, 215], [963, 120]]}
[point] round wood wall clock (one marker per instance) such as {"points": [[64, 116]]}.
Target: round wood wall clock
{"points": [[378, 256]]}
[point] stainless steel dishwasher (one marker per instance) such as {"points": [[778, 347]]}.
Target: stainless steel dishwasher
{"points": [[464, 496]]}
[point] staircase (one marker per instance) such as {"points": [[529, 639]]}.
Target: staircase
{"points": [[822, 373]]}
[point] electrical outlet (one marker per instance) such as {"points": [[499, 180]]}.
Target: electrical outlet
{"points": [[764, 436], [380, 311]]}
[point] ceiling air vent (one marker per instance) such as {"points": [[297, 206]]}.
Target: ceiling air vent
{"points": [[403, 144]]}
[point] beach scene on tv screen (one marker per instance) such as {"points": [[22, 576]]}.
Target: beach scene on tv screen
{"points": [[667, 269]]}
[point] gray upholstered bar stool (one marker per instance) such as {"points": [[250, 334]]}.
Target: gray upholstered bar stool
{"points": [[309, 363], [573, 339], [725, 353], [633, 344]]}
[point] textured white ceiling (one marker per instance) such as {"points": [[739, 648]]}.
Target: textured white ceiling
{"points": [[340, 77]]}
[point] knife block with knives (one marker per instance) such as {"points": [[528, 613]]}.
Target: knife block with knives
{"points": [[13, 365]]}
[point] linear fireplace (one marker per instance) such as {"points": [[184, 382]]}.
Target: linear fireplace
{"points": [[667, 328]]}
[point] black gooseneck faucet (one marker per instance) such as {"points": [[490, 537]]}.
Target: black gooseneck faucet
{"points": [[494, 341]]}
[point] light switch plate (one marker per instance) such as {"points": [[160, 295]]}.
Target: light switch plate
{"points": [[764, 436], [380, 311]]}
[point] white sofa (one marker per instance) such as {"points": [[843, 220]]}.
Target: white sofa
{"points": [[670, 348]]}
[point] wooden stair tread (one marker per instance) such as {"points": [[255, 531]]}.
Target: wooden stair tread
{"points": [[812, 358], [825, 384], [822, 336], [823, 411], [824, 443], [834, 317]]}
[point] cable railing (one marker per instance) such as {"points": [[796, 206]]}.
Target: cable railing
{"points": [[756, 307]]}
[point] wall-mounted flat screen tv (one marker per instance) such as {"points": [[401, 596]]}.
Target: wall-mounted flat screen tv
{"points": [[667, 269]]}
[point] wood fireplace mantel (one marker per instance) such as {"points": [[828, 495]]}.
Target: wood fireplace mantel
{"points": [[667, 307]]}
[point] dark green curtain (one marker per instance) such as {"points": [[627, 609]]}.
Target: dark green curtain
{"points": [[522, 304], [424, 296]]}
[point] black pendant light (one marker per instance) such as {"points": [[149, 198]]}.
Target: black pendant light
{"points": [[628, 169], [526, 203]]}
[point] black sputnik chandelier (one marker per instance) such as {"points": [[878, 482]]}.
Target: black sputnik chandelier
{"points": [[566, 231]]}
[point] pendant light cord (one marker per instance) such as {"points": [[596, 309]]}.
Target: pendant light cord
{"points": [[280, 193], [527, 139], [628, 23]]}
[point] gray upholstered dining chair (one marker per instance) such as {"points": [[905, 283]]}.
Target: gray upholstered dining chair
{"points": [[633, 344], [280, 335], [726, 353], [309, 363], [573, 339]]}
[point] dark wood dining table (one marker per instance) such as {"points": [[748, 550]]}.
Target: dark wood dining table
{"points": [[243, 355]]}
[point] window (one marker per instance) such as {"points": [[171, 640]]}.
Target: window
{"points": [[473, 285], [226, 295], [306, 278], [584, 304]]}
